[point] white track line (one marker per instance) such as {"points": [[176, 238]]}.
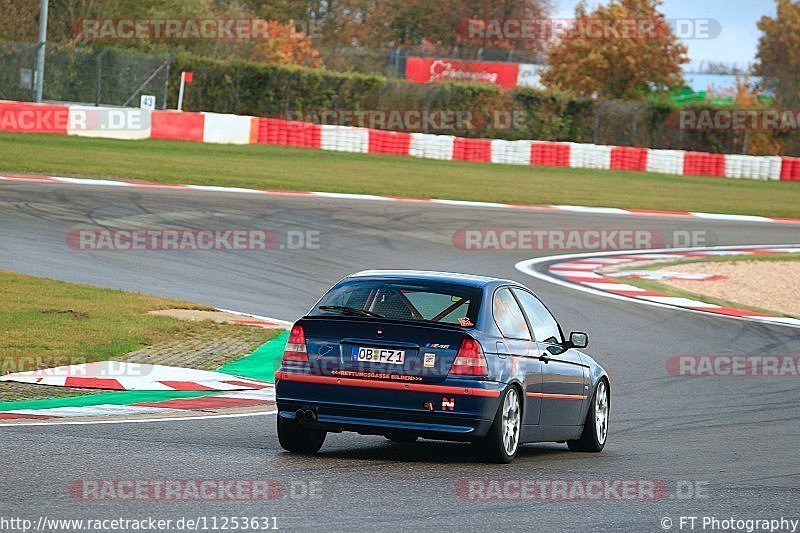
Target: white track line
{"points": [[528, 267], [140, 421], [97, 411], [720, 217]]}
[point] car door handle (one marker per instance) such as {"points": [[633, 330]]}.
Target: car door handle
{"points": [[544, 357]]}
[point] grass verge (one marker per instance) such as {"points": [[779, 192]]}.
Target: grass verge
{"points": [[276, 167], [46, 323], [680, 293]]}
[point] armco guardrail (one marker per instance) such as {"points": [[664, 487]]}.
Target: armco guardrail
{"points": [[128, 123]]}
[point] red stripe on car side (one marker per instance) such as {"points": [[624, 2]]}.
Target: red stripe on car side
{"points": [[390, 385], [556, 396]]}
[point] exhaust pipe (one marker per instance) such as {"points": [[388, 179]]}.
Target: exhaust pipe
{"points": [[305, 415]]}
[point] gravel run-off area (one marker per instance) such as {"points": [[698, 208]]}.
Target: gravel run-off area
{"points": [[771, 285]]}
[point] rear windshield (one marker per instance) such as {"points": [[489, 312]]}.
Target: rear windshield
{"points": [[443, 303]]}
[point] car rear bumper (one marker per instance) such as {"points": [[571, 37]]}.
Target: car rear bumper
{"points": [[454, 409]]}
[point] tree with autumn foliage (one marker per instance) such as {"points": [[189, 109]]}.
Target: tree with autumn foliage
{"points": [[756, 141], [390, 23], [625, 50], [447, 22], [20, 21], [779, 53], [284, 44]]}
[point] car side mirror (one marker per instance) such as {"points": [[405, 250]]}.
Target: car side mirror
{"points": [[578, 339]]}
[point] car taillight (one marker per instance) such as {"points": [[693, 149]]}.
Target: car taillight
{"points": [[470, 360], [295, 351]]}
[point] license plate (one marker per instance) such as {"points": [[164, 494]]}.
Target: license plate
{"points": [[379, 355]]}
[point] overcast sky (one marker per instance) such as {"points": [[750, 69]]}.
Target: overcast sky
{"points": [[737, 41]]}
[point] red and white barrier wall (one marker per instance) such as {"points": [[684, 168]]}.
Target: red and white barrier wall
{"points": [[790, 168], [431, 146], [122, 123], [229, 129], [344, 139], [22, 117], [129, 123]]}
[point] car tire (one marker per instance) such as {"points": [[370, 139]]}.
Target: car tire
{"points": [[595, 428], [402, 437], [295, 438], [501, 444]]}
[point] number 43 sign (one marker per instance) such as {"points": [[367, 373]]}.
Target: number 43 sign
{"points": [[148, 102]]}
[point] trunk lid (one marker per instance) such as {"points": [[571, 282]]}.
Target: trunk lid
{"points": [[371, 348]]}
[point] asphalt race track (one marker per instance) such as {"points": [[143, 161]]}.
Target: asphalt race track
{"points": [[734, 438]]}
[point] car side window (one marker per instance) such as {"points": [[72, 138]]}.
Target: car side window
{"points": [[509, 317], [545, 328]]}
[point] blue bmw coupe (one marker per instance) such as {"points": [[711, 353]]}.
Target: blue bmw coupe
{"points": [[410, 354]]}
